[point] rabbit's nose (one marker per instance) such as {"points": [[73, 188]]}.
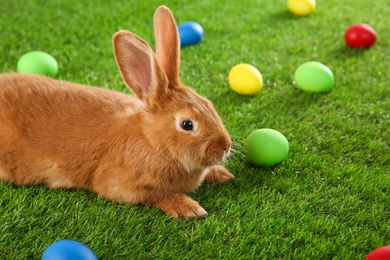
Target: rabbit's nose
{"points": [[224, 144], [226, 149]]}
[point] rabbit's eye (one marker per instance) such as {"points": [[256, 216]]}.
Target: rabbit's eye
{"points": [[187, 125]]}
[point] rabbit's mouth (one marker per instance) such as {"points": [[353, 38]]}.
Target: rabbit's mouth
{"points": [[216, 152]]}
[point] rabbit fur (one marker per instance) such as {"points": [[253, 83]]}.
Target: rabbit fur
{"points": [[150, 148]]}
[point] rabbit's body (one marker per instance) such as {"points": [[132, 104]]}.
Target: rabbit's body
{"points": [[59, 123], [78, 120], [151, 148]]}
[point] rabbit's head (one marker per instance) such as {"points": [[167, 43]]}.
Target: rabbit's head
{"points": [[175, 119]]}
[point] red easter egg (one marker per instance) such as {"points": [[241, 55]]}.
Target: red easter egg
{"points": [[381, 253], [360, 36]]}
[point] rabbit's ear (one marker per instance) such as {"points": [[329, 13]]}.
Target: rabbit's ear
{"points": [[139, 67], [167, 44]]}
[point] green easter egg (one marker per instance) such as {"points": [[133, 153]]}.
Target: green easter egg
{"points": [[266, 147], [313, 76], [37, 62]]}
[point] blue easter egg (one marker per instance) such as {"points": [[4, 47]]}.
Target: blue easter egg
{"points": [[68, 250], [190, 33]]}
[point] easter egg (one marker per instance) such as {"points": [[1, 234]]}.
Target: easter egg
{"points": [[245, 79], [266, 147], [313, 76], [37, 62], [190, 33], [381, 253], [301, 7], [68, 250], [360, 36]]}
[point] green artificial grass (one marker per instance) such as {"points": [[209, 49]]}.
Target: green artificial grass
{"points": [[329, 199]]}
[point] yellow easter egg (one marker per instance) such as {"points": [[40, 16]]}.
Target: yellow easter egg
{"points": [[245, 79], [301, 7]]}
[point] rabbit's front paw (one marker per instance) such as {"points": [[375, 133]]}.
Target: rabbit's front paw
{"points": [[218, 174], [181, 206]]}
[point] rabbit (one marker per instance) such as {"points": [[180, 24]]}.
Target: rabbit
{"points": [[151, 148]]}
